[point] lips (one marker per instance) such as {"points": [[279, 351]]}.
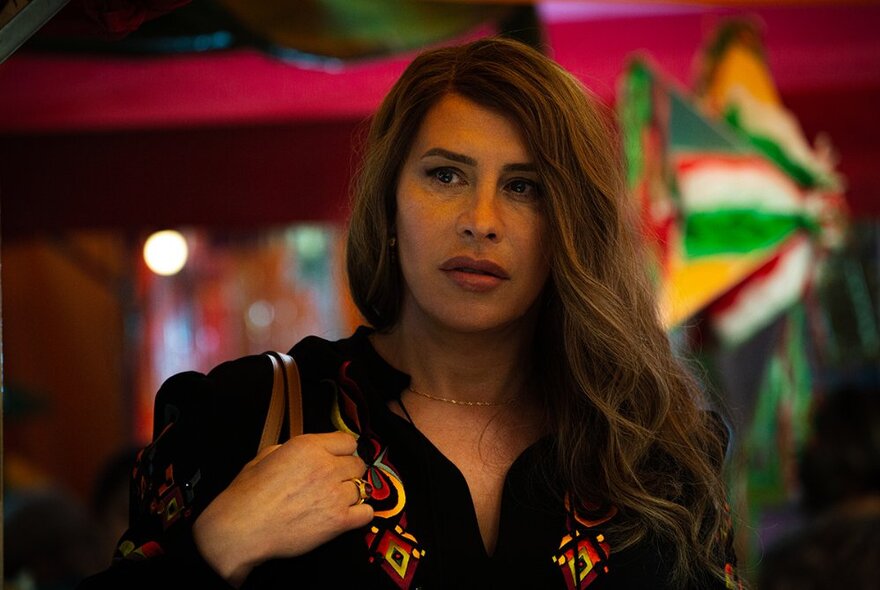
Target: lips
{"points": [[466, 265]]}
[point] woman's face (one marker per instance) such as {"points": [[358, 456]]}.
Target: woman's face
{"points": [[469, 221]]}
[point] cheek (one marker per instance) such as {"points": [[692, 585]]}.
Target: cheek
{"points": [[423, 222], [404, 218], [407, 223], [413, 238], [540, 259], [410, 210], [537, 240]]}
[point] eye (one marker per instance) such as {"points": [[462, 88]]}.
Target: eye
{"points": [[445, 175], [522, 188]]}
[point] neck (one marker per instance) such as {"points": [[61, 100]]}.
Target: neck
{"points": [[488, 367]]}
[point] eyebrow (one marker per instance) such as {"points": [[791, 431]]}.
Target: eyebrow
{"points": [[456, 157]]}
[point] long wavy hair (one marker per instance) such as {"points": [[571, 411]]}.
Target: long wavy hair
{"points": [[628, 420]]}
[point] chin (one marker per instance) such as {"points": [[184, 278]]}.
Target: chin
{"points": [[472, 320]]}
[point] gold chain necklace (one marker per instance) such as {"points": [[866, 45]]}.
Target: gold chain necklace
{"points": [[458, 402]]}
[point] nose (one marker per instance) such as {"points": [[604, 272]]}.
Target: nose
{"points": [[480, 220]]}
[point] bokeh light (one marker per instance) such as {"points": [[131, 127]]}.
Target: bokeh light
{"points": [[165, 252]]}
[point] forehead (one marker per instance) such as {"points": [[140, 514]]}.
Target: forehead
{"points": [[461, 125]]}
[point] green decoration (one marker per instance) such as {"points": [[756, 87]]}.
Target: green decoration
{"points": [[636, 112], [737, 231]]}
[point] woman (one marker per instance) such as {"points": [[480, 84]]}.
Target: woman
{"points": [[514, 407]]}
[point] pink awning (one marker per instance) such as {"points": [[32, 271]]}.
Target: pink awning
{"points": [[240, 138]]}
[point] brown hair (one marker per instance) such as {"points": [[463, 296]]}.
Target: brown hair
{"points": [[628, 426]]}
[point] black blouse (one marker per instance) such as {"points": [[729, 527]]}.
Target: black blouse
{"points": [[425, 532]]}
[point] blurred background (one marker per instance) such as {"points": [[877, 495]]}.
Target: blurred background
{"points": [[174, 189]]}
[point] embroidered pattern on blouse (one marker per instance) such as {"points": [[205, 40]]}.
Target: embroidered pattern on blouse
{"points": [[391, 547], [583, 551], [165, 500]]}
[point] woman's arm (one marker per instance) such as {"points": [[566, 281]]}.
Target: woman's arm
{"points": [[204, 509]]}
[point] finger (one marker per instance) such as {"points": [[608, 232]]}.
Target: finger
{"points": [[363, 490], [351, 466], [338, 443], [360, 489], [353, 492], [360, 515], [344, 468], [334, 443]]}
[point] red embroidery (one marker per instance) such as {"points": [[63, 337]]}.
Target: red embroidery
{"points": [[391, 548], [583, 552]]}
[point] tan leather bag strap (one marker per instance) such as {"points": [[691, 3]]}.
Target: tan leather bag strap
{"points": [[294, 394], [286, 391]]}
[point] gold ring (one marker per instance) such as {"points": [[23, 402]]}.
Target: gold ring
{"points": [[365, 490]]}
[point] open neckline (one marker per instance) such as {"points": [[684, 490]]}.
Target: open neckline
{"points": [[390, 384], [462, 485]]}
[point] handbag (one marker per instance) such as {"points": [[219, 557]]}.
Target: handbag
{"points": [[286, 391]]}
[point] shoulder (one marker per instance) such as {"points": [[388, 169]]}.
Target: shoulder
{"points": [[209, 423], [192, 396], [227, 405], [247, 380], [350, 361], [316, 355]]}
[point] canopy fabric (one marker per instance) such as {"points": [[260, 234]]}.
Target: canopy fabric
{"points": [[238, 138]]}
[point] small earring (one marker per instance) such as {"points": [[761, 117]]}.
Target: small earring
{"points": [[392, 243]]}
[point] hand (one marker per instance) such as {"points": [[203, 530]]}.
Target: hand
{"points": [[288, 500]]}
